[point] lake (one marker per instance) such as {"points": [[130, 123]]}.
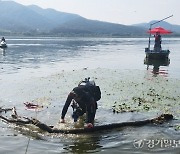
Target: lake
{"points": [[43, 70]]}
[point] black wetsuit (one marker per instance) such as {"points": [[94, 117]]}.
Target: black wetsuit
{"points": [[86, 103]]}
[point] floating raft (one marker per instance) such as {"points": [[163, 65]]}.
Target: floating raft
{"points": [[157, 54], [20, 121]]}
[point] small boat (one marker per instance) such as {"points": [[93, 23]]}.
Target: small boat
{"points": [[156, 54], [3, 44]]}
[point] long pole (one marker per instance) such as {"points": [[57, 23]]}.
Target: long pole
{"points": [[154, 24]]}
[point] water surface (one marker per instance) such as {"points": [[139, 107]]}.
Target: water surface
{"points": [[44, 70]]}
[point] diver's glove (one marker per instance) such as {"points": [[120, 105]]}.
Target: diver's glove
{"points": [[88, 125], [62, 121]]}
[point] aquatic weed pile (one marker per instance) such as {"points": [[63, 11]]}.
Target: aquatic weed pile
{"points": [[130, 91], [122, 91]]}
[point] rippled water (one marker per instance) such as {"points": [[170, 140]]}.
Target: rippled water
{"points": [[44, 70]]}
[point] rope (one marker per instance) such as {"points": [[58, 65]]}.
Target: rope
{"points": [[29, 134], [27, 145]]}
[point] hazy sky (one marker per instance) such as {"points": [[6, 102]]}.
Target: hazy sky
{"points": [[116, 11]]}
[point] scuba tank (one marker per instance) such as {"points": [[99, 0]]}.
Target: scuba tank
{"points": [[87, 82], [91, 88]]}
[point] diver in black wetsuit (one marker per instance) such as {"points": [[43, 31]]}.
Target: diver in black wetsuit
{"points": [[83, 102]]}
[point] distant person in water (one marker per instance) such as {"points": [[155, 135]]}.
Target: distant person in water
{"points": [[84, 101], [3, 39], [157, 45]]}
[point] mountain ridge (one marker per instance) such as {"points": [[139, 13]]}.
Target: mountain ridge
{"points": [[34, 20], [172, 27]]}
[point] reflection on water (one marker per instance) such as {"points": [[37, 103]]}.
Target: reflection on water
{"points": [[3, 50], [156, 63], [88, 143]]}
